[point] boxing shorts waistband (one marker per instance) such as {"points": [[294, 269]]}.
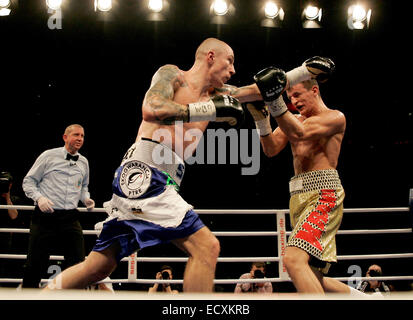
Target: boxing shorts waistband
{"points": [[315, 180], [159, 156], [147, 168]]}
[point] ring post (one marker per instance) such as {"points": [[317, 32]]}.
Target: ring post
{"points": [[132, 272], [282, 242]]}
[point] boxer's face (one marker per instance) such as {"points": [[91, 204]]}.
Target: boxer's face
{"points": [[222, 68], [303, 99]]}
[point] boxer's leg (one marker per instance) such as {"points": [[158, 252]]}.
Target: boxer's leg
{"points": [[300, 272], [96, 267], [203, 250]]}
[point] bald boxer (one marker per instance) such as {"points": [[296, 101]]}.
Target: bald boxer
{"points": [[146, 208], [316, 203]]}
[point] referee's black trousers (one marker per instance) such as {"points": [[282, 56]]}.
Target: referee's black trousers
{"points": [[57, 233]]}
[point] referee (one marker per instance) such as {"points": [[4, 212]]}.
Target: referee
{"points": [[57, 181]]}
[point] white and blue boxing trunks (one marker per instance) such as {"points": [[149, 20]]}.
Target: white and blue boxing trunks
{"points": [[146, 208]]}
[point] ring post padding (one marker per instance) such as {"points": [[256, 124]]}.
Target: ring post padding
{"points": [[282, 243], [132, 262]]}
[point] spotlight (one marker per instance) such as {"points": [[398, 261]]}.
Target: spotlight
{"points": [[274, 15], [358, 17], [54, 4], [271, 10], [155, 5], [311, 16], [4, 3], [312, 13], [220, 7], [4, 7], [157, 10], [221, 11], [103, 5]]}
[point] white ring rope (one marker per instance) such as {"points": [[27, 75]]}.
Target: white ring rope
{"points": [[224, 281], [235, 211], [233, 259], [248, 233]]}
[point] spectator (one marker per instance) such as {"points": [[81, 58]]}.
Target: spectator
{"points": [[57, 181], [165, 273], [374, 286], [6, 182], [8, 219], [257, 272]]}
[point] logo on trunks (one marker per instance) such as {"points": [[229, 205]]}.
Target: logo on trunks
{"points": [[134, 179], [314, 224]]}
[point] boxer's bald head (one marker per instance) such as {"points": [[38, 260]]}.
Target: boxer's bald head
{"points": [[212, 44]]}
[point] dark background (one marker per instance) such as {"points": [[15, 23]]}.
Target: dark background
{"points": [[95, 71]]}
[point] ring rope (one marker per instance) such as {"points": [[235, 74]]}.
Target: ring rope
{"points": [[247, 233], [235, 211], [230, 259], [223, 281]]}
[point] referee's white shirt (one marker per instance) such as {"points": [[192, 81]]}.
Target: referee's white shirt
{"points": [[64, 182]]}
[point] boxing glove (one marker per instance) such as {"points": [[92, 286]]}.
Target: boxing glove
{"points": [[221, 108], [321, 68], [318, 68], [272, 82]]}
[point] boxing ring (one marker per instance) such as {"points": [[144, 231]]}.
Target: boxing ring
{"points": [[281, 234]]}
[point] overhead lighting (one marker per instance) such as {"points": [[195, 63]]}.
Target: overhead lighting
{"points": [[54, 4], [220, 7], [5, 3], [271, 10], [274, 15], [157, 10], [358, 17], [313, 13], [221, 11], [311, 16], [4, 7], [103, 5], [155, 5]]}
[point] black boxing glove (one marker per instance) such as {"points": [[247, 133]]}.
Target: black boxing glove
{"points": [[222, 108], [272, 82], [321, 68]]}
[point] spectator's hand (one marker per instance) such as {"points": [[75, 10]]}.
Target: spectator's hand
{"points": [[90, 204], [158, 276], [246, 287], [45, 205]]}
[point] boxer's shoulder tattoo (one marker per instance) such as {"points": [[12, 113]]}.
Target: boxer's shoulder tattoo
{"points": [[159, 96]]}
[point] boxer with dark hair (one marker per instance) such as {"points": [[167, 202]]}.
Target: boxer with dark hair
{"points": [[316, 203]]}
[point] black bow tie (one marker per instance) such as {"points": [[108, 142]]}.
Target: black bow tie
{"points": [[70, 157]]}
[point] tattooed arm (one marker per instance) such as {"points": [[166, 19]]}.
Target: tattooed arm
{"points": [[243, 94], [158, 105]]}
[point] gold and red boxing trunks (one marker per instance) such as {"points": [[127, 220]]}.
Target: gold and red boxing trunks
{"points": [[316, 211]]}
